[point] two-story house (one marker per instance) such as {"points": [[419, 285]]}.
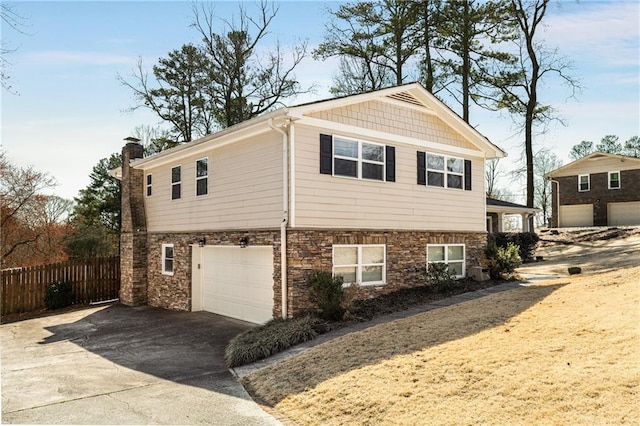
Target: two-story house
{"points": [[597, 190], [372, 187]]}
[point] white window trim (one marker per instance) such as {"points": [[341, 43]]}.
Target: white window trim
{"points": [[149, 185], [444, 172], [609, 180], [359, 160], [164, 258], [202, 177], [446, 256], [588, 183], [359, 265], [175, 183]]}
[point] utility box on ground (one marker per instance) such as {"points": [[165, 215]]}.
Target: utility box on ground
{"points": [[479, 273]]}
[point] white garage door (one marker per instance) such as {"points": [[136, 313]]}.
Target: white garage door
{"points": [[235, 282], [623, 213], [576, 215]]}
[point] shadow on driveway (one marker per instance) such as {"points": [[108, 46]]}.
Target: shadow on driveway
{"points": [[166, 344]]}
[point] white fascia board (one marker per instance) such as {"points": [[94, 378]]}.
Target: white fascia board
{"points": [[512, 210], [458, 124], [228, 136], [376, 134]]}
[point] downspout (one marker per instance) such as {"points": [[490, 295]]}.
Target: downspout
{"points": [[557, 200], [285, 214]]}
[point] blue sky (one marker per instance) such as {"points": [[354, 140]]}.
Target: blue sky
{"points": [[70, 109]]}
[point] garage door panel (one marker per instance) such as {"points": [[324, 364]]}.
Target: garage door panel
{"points": [[238, 282], [623, 214], [576, 215]]}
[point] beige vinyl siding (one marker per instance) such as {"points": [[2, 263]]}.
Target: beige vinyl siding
{"points": [[245, 190], [325, 201], [599, 165], [389, 117]]}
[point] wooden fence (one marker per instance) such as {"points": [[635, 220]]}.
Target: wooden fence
{"points": [[93, 280]]}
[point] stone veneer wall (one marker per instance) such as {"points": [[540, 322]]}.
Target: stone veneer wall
{"points": [[133, 236], [307, 250], [174, 291], [406, 255]]}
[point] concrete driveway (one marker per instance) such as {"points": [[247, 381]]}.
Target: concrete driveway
{"points": [[122, 365]]}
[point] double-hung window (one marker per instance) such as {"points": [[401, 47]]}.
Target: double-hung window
{"points": [[360, 264], [202, 177], [357, 159], [614, 180], [167, 259], [149, 185], [444, 171], [176, 182], [451, 254], [584, 183]]}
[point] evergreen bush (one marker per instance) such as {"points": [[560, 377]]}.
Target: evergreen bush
{"points": [[502, 260], [327, 293], [58, 295]]}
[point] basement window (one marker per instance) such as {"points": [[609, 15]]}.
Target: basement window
{"points": [[451, 254], [361, 264], [167, 259]]}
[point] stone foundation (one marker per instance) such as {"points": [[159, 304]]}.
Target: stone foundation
{"points": [[307, 250]]}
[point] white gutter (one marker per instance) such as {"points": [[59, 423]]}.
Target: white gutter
{"points": [[285, 214]]}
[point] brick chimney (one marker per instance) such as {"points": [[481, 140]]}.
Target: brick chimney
{"points": [[133, 234]]}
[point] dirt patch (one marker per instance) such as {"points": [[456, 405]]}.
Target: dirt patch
{"points": [[561, 352], [592, 249]]}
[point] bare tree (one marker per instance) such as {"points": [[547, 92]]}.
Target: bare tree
{"points": [[492, 174], [519, 88], [11, 19]]}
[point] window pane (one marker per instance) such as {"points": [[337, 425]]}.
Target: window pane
{"points": [[372, 171], [175, 174], [435, 179], [345, 255], [345, 148], [168, 265], [175, 191], [345, 167], [455, 252], [435, 253], [201, 186], [168, 252], [149, 179], [455, 268], [373, 254], [372, 152], [435, 162], [348, 274], [202, 168], [149, 191], [371, 273], [455, 165], [614, 180], [454, 181]]}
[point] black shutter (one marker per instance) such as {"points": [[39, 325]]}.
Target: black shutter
{"points": [[422, 168], [326, 154], [391, 163], [467, 175]]}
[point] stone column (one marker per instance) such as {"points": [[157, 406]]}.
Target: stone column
{"points": [[133, 234]]}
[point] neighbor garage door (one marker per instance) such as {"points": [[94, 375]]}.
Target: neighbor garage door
{"points": [[623, 213], [576, 215], [236, 282]]}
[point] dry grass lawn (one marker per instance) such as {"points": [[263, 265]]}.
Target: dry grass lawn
{"points": [[561, 352]]}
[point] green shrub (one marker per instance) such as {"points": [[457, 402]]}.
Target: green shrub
{"points": [[327, 293], [439, 276], [58, 295], [526, 242], [502, 260], [268, 339]]}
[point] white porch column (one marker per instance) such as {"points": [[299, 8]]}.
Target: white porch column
{"points": [[500, 222], [525, 222]]}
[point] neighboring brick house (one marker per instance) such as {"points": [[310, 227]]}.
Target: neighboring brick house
{"points": [[597, 190], [370, 187]]}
